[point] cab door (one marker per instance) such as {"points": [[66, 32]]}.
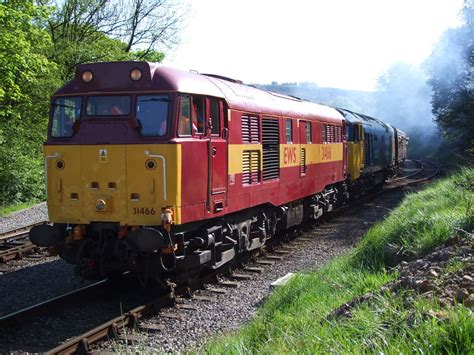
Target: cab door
{"points": [[217, 157]]}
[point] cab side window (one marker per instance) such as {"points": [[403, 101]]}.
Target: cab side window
{"points": [[184, 124], [199, 114]]}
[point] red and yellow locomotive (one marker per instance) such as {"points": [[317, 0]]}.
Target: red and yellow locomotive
{"points": [[164, 172]]}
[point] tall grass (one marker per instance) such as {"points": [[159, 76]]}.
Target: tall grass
{"points": [[296, 318]]}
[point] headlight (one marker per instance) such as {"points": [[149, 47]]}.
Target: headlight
{"points": [[87, 76], [136, 74]]}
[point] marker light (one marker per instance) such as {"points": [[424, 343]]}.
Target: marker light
{"points": [[136, 74], [87, 76]]}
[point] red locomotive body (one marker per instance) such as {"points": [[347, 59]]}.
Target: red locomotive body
{"points": [[165, 172]]}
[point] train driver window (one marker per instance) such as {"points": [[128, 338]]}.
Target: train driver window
{"points": [[66, 111], [152, 113], [184, 124], [199, 114], [289, 131]]}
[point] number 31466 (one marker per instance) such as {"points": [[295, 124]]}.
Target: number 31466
{"points": [[144, 211]]}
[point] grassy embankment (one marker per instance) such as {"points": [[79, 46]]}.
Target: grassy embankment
{"points": [[295, 317], [8, 209]]}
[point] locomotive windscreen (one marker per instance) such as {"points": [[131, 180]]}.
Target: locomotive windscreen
{"points": [[152, 113], [108, 105], [66, 111]]}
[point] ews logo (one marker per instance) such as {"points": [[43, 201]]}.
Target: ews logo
{"points": [[289, 155]]}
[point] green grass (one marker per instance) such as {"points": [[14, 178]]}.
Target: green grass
{"points": [[6, 210], [423, 221], [295, 318]]}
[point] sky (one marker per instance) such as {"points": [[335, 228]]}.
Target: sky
{"points": [[333, 43]]}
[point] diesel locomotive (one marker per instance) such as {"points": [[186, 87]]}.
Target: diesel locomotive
{"points": [[165, 173]]}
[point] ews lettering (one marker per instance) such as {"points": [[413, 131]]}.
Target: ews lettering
{"points": [[289, 154]]}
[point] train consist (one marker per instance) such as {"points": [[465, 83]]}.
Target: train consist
{"points": [[166, 173]]}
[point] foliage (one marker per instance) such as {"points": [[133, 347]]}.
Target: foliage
{"points": [[451, 67], [104, 30], [297, 317], [26, 81]]}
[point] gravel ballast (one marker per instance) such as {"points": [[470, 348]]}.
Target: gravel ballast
{"points": [[19, 219]]}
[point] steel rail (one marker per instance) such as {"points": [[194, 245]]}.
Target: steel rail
{"points": [[23, 315], [14, 243], [112, 328], [17, 252], [409, 175], [19, 232]]}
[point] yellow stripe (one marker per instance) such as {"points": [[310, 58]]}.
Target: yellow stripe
{"points": [[315, 153], [289, 154], [235, 155]]}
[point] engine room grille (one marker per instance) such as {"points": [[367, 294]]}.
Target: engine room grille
{"points": [[271, 146], [250, 129], [250, 166], [303, 161]]}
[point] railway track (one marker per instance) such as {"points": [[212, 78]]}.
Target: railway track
{"points": [[135, 316], [424, 170], [14, 244]]}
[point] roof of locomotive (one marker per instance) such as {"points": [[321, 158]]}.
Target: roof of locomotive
{"points": [[114, 77], [375, 123]]}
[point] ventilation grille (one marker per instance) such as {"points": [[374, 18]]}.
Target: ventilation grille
{"points": [[250, 166], [303, 161], [250, 129], [271, 145]]}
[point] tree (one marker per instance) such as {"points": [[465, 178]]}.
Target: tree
{"points": [[451, 68], [105, 30], [26, 82]]}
